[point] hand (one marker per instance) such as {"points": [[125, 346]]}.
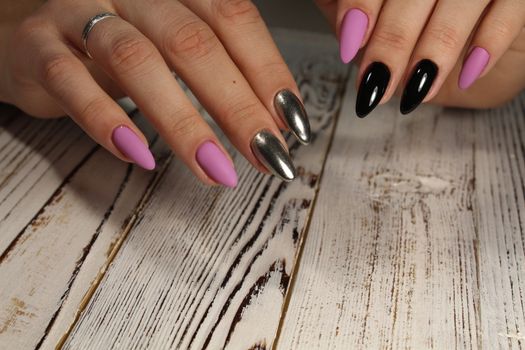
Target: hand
{"points": [[432, 49], [220, 48]]}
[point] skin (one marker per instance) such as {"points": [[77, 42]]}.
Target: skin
{"points": [[401, 33], [210, 44], [224, 52]]}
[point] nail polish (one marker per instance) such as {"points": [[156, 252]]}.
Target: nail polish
{"points": [[292, 112], [418, 85], [372, 88], [353, 30], [132, 147], [473, 67], [216, 165], [272, 154]]}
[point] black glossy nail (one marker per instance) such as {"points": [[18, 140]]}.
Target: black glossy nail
{"points": [[418, 85], [372, 88]]}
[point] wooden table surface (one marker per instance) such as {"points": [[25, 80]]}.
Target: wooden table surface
{"points": [[400, 233]]}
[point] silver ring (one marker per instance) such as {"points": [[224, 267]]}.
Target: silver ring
{"points": [[90, 25]]}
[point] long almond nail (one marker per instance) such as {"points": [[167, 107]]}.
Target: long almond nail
{"points": [[372, 88], [474, 65], [215, 163], [353, 30], [132, 147], [272, 154], [292, 112], [418, 85]]}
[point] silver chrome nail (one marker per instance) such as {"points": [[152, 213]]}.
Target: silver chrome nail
{"points": [[272, 154], [292, 112]]}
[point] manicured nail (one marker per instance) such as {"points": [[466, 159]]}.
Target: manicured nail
{"points": [[292, 111], [272, 154], [473, 67], [418, 85], [353, 30], [132, 147], [372, 88], [215, 163]]}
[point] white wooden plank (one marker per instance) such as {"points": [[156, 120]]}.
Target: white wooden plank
{"points": [[500, 223], [35, 157], [209, 267], [70, 200], [417, 237]]}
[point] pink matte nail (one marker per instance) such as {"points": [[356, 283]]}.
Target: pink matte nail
{"points": [[353, 30], [215, 163], [473, 67], [132, 147]]}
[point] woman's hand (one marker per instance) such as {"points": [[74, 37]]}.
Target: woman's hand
{"points": [[220, 48], [433, 49]]}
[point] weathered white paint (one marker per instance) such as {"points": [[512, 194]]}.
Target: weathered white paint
{"points": [[210, 267], [69, 212], [417, 238]]}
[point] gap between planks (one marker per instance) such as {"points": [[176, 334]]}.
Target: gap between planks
{"points": [[115, 248], [304, 235], [341, 83]]}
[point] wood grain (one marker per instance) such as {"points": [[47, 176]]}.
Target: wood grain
{"points": [[417, 238], [210, 267], [63, 204], [413, 231]]}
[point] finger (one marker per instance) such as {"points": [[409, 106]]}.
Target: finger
{"points": [[243, 33], [387, 54], [67, 80], [439, 48], [355, 23], [504, 81], [136, 65], [199, 58], [498, 29]]}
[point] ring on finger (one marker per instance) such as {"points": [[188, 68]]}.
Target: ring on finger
{"points": [[89, 27]]}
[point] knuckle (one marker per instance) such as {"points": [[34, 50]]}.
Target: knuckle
{"points": [[393, 36], [183, 124], [93, 109], [30, 26], [501, 28], [238, 113], [129, 53], [237, 11], [273, 68], [193, 39], [445, 35], [56, 69], [154, 3]]}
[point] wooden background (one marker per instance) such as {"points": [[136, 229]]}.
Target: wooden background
{"points": [[401, 232]]}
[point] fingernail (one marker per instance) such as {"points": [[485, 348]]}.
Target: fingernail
{"points": [[418, 85], [473, 67], [292, 111], [216, 165], [272, 154], [132, 147], [353, 30], [372, 88]]}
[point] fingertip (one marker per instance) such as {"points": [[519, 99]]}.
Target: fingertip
{"points": [[216, 164], [352, 33], [132, 147], [473, 67]]}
